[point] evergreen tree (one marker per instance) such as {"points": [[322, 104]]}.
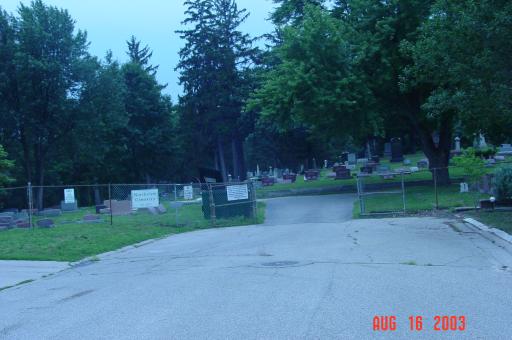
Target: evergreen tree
{"points": [[212, 65]]}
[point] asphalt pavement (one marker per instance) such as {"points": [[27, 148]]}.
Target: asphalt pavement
{"points": [[309, 273]]}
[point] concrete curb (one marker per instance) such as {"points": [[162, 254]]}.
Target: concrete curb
{"points": [[496, 232]]}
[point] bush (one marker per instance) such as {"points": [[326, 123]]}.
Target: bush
{"points": [[503, 183]]}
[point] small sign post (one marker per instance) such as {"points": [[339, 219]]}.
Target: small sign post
{"points": [[188, 192], [69, 196]]}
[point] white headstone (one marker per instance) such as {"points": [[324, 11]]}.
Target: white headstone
{"points": [[457, 144]]}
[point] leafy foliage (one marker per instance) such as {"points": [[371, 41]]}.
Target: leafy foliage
{"points": [[5, 166], [503, 182]]}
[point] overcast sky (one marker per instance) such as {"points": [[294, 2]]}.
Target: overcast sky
{"points": [[109, 23]]}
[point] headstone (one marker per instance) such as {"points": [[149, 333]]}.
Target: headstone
{"points": [[301, 169], [100, 207], [457, 144], [6, 222], [344, 157], [326, 163], [351, 167], [105, 211], [51, 212], [351, 158], [311, 175], [396, 150], [387, 150], [423, 164], [258, 172], [367, 170], [290, 177], [414, 169], [161, 209], [66, 206], [482, 143], [499, 158], [381, 169], [91, 219], [505, 150], [23, 224], [267, 181], [11, 211], [45, 223], [342, 173], [362, 161], [464, 187], [119, 207], [407, 162]]}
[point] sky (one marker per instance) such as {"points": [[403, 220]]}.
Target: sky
{"points": [[109, 23]]}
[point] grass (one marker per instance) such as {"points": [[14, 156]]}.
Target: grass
{"points": [[70, 240], [417, 199], [497, 219]]}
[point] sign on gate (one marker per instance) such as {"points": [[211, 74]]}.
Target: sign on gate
{"points": [[188, 192], [145, 198], [69, 195], [237, 192]]}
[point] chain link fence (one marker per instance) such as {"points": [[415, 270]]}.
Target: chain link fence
{"points": [[192, 205], [402, 190]]}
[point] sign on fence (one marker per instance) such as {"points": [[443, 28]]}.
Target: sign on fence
{"points": [[188, 192], [237, 192], [145, 198], [69, 195]]}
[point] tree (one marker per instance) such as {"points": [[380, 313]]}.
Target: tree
{"points": [[41, 67], [462, 66], [140, 56], [212, 67], [291, 11], [5, 166], [317, 83]]}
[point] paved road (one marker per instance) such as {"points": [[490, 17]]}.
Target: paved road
{"points": [[321, 279]]}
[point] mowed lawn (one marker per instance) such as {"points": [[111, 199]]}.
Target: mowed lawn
{"points": [[419, 198], [71, 240]]}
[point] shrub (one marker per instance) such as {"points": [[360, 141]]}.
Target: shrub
{"points": [[503, 183]]}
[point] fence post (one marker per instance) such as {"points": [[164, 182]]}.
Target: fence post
{"points": [[403, 191], [435, 189], [176, 205], [360, 193], [254, 200], [110, 203], [30, 204], [212, 205]]}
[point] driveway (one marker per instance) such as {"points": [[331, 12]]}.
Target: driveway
{"points": [[309, 273]]}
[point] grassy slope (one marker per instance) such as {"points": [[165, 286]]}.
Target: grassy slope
{"points": [[72, 241], [497, 219]]}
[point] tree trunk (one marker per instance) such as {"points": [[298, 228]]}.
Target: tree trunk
{"points": [[222, 162], [40, 192], [97, 196], [438, 155], [234, 155], [242, 169]]}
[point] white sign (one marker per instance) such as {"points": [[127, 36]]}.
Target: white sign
{"points": [[145, 199], [237, 192], [69, 195], [188, 192]]}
